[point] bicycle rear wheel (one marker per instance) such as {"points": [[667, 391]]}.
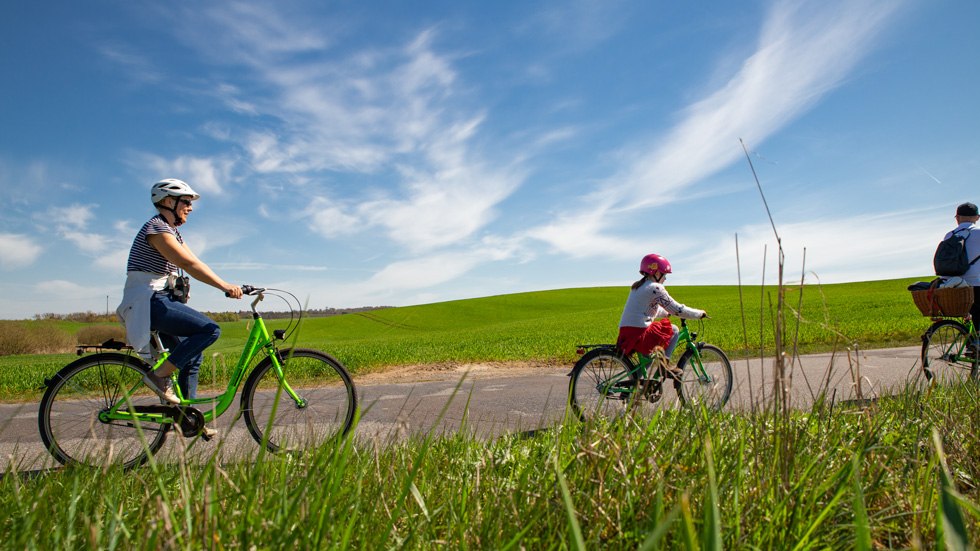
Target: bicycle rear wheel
{"points": [[946, 353], [325, 412], [601, 386], [69, 420], [707, 378]]}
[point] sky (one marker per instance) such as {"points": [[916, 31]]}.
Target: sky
{"points": [[395, 153]]}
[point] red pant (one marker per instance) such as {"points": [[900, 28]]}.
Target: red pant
{"points": [[645, 339]]}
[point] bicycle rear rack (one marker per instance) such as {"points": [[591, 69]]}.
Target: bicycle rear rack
{"points": [[111, 344]]}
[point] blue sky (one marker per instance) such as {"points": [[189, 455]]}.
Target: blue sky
{"points": [[369, 153]]}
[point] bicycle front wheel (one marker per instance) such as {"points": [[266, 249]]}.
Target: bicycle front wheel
{"points": [[947, 356], [707, 379], [69, 414], [600, 386], [323, 413]]}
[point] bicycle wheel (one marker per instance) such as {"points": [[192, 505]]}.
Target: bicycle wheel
{"points": [[68, 416], [946, 356], [326, 411], [600, 385], [712, 386]]}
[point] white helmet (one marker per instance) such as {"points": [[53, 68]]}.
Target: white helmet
{"points": [[171, 187]]}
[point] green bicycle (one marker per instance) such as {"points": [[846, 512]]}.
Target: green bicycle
{"points": [[97, 411], [607, 383], [949, 350]]}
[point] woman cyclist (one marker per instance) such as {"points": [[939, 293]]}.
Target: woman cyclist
{"points": [[644, 326], [152, 299]]}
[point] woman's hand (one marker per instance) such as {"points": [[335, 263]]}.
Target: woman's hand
{"points": [[233, 291]]}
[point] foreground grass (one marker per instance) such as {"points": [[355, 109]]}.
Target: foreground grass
{"points": [[829, 478], [546, 326]]}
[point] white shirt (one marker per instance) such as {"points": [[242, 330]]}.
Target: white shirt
{"points": [[651, 301], [972, 276], [134, 310]]}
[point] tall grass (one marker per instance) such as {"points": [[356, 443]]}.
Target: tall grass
{"points": [[34, 337], [900, 474]]}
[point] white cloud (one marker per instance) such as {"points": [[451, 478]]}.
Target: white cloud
{"points": [[60, 288], [590, 232], [330, 218], [17, 251], [207, 175], [135, 65], [855, 248], [802, 54], [804, 51]]}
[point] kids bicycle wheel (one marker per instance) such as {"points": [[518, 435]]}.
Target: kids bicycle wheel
{"points": [[711, 385], [947, 354], [69, 413], [325, 412], [602, 386]]}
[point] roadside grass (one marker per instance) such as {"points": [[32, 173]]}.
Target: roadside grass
{"points": [[545, 327], [900, 474]]}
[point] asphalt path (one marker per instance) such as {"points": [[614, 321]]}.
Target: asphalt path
{"points": [[493, 400]]}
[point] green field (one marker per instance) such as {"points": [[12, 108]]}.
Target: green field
{"points": [[546, 326]]}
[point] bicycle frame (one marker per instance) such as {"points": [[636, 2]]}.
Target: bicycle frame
{"points": [[258, 339], [639, 371]]}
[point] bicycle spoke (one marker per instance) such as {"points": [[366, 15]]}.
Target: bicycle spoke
{"points": [[69, 413], [707, 379], [947, 357], [323, 412]]}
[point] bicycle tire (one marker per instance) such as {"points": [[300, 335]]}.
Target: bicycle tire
{"points": [[68, 414], [278, 423], [943, 359], [713, 393], [586, 396]]}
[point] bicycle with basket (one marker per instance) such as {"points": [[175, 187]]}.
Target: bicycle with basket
{"points": [[949, 345]]}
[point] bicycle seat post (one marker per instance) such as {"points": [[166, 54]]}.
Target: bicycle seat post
{"points": [[157, 343]]}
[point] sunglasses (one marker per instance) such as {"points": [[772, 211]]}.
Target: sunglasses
{"points": [[182, 201]]}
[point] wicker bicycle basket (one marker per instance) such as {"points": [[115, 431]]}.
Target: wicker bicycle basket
{"points": [[949, 302]]}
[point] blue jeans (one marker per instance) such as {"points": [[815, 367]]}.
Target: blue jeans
{"points": [[186, 332]]}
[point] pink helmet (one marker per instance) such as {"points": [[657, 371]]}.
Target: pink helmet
{"points": [[654, 264]]}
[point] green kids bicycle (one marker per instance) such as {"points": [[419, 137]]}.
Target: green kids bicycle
{"points": [[607, 383], [97, 411]]}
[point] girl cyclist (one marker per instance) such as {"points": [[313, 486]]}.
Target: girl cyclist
{"points": [[644, 326]]}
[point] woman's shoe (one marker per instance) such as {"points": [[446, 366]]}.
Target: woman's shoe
{"points": [[162, 387]]}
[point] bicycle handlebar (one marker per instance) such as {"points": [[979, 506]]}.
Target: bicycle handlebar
{"points": [[249, 290]]}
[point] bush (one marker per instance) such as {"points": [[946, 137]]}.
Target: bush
{"points": [[97, 334], [223, 316], [33, 338]]}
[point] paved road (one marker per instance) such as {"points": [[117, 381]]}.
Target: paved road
{"points": [[492, 401]]}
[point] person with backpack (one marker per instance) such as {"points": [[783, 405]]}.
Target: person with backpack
{"points": [[966, 219]]}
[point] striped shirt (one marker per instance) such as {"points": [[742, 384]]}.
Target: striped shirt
{"points": [[143, 257]]}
